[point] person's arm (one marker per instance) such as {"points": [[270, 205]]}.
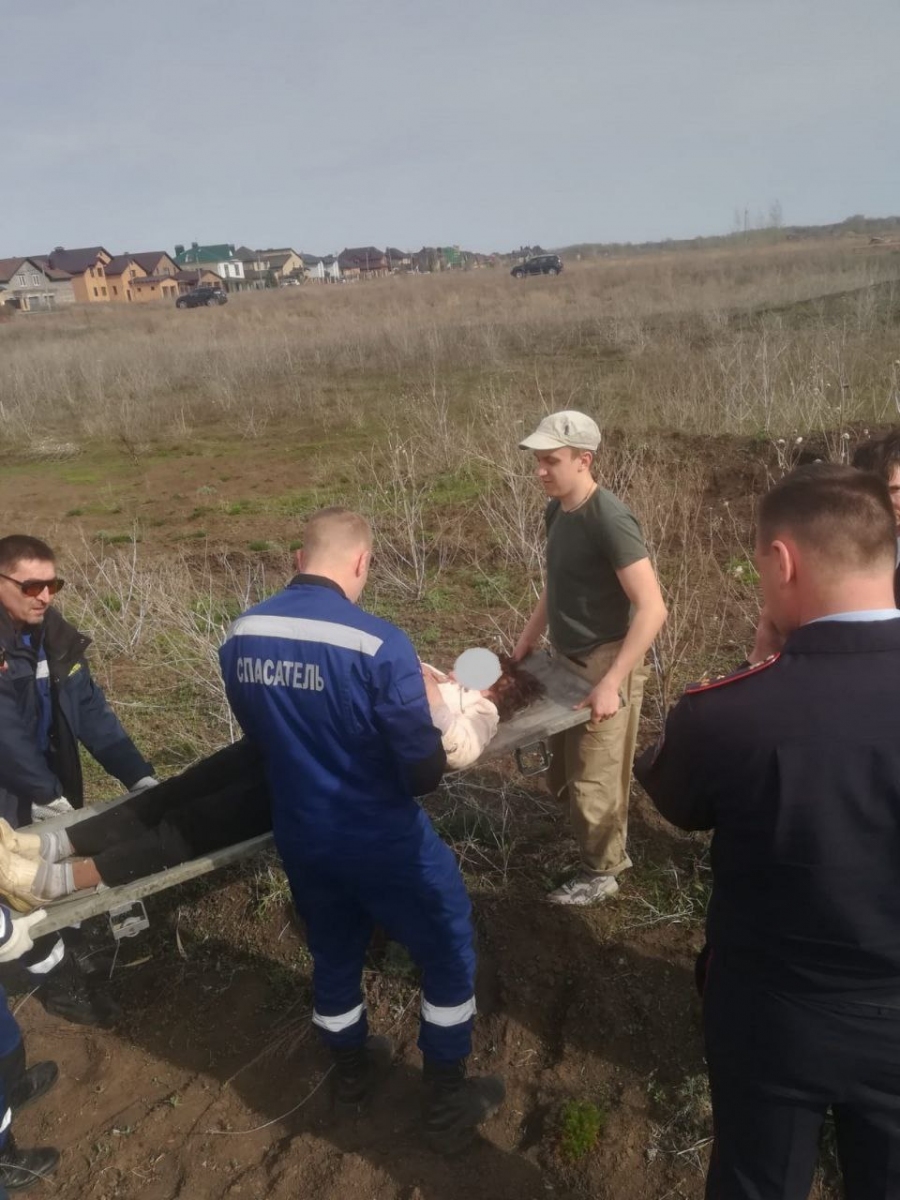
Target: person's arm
{"points": [[23, 769], [466, 725], [649, 614], [675, 772], [101, 732], [402, 716], [535, 628]]}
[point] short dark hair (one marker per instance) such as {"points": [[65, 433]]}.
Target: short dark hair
{"points": [[839, 513], [515, 689], [17, 547], [879, 455]]}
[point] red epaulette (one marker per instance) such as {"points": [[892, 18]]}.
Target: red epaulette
{"points": [[706, 685]]}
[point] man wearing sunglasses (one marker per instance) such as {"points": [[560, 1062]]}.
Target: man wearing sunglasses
{"points": [[48, 705]]}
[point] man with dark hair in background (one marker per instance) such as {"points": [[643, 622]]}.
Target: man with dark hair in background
{"points": [[881, 456], [794, 763], [48, 705]]}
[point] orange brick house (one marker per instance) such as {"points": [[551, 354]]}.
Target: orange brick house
{"points": [[87, 268], [129, 281]]}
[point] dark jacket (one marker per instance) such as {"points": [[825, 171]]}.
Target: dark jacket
{"points": [[80, 713], [795, 766]]}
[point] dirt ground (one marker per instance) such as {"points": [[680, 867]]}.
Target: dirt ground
{"points": [[213, 1086]]}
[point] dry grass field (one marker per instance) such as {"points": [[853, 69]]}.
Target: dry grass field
{"points": [[172, 457]]}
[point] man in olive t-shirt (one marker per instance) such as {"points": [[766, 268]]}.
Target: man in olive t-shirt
{"points": [[602, 607]]}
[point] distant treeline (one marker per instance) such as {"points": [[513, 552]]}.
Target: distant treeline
{"points": [[868, 226]]}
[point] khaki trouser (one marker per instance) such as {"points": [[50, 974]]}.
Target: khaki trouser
{"points": [[590, 766]]}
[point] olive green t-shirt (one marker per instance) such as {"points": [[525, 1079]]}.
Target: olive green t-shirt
{"points": [[586, 604]]}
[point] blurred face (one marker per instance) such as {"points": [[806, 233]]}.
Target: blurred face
{"points": [[564, 471], [22, 609], [894, 489]]}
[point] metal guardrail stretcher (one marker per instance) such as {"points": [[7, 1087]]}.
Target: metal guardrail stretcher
{"points": [[524, 736]]}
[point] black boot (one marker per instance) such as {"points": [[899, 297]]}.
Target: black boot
{"points": [[34, 1083], [358, 1071], [66, 992], [455, 1105], [19, 1169]]}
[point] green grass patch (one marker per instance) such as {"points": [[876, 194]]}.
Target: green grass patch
{"points": [[579, 1126], [260, 546], [743, 570], [117, 539]]}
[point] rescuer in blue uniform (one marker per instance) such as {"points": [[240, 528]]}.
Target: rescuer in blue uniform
{"points": [[49, 704], [334, 700], [19, 1169], [794, 764]]}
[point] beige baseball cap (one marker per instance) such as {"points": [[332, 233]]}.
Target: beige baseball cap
{"points": [[564, 429]]}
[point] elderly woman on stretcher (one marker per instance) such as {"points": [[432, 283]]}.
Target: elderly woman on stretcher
{"points": [[220, 801]]}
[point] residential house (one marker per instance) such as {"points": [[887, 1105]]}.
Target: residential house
{"points": [[363, 262], [160, 279], [267, 268], [156, 263], [399, 260], [128, 280], [121, 274], [284, 263], [428, 259], [220, 259], [313, 268], [86, 268], [321, 270], [25, 284], [188, 280], [256, 273]]}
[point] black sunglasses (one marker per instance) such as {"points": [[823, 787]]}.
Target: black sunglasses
{"points": [[33, 587]]}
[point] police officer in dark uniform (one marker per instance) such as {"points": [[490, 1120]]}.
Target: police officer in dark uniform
{"points": [[49, 703], [794, 764]]}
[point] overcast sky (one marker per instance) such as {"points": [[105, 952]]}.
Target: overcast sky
{"points": [[487, 123]]}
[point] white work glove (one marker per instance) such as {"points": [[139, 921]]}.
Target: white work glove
{"points": [[56, 808], [142, 784], [20, 941]]}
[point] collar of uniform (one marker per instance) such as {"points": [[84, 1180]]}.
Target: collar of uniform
{"points": [[844, 637], [62, 642], [317, 581]]}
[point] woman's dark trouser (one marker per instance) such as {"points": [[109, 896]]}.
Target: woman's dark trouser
{"points": [[220, 801]]}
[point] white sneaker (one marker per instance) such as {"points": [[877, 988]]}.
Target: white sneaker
{"points": [[56, 808], [587, 887]]}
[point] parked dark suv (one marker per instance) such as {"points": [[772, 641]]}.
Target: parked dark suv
{"points": [[204, 295], [541, 264]]}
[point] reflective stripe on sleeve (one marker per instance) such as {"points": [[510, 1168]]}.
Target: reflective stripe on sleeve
{"points": [[303, 629], [53, 959], [7, 1121], [42, 670], [445, 1017], [339, 1023]]}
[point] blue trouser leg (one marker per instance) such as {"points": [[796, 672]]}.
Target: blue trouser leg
{"points": [[12, 1063], [338, 930], [423, 904]]}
